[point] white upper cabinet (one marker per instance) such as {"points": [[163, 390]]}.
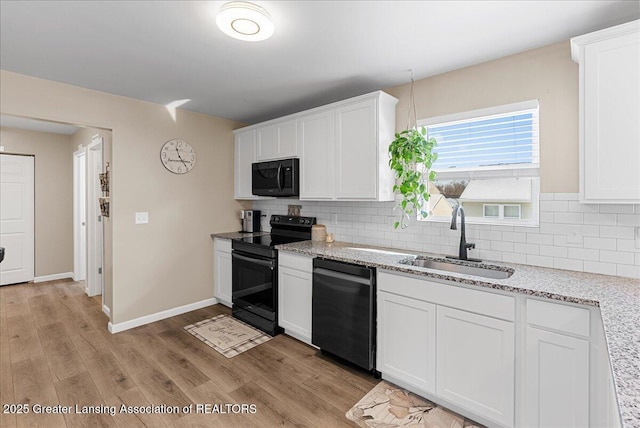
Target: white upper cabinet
{"points": [[245, 155], [609, 85], [357, 166], [343, 149], [316, 148], [276, 141]]}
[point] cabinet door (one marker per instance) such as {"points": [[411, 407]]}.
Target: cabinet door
{"points": [[407, 341], [315, 143], [222, 276], [475, 363], [276, 141], [556, 380], [245, 155], [294, 303], [611, 104], [356, 151]]}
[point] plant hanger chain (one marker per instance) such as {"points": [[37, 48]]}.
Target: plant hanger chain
{"points": [[412, 105]]}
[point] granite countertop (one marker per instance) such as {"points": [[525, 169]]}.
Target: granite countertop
{"points": [[237, 235], [618, 299]]}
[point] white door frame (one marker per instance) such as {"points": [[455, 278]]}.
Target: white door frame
{"points": [[80, 215], [18, 229], [95, 237]]}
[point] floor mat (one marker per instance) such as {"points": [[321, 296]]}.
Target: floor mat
{"points": [[227, 335], [389, 406]]}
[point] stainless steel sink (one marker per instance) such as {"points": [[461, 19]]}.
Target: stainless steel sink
{"points": [[475, 269]]}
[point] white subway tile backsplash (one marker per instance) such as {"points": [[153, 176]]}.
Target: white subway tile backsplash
{"points": [[600, 243], [568, 264], [514, 258], [554, 206], [628, 271], [514, 236], [538, 238], [624, 232], [553, 251], [583, 254], [629, 220], [619, 257], [590, 237], [616, 208], [598, 267], [526, 248], [543, 261], [600, 219], [568, 218], [577, 207], [627, 245], [565, 196]]}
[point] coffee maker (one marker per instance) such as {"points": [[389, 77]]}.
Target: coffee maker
{"points": [[250, 220]]}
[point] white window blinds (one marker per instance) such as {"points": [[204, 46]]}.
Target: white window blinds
{"points": [[504, 137]]}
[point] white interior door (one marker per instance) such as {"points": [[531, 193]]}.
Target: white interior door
{"points": [[17, 218], [94, 218], [79, 216]]}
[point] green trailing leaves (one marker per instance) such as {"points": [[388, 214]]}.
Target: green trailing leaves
{"points": [[411, 157]]}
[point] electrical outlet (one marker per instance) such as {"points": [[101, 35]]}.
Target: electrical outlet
{"points": [[334, 218], [574, 235], [142, 218], [1, 148], [637, 237]]}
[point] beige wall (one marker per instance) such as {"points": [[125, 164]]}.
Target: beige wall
{"points": [[53, 196], [83, 137], [168, 262], [547, 74]]}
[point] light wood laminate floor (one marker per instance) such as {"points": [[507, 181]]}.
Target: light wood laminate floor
{"points": [[55, 349]]}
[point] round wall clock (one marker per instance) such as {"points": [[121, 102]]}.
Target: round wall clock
{"points": [[178, 156]]}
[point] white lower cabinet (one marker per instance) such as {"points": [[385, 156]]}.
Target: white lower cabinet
{"points": [[557, 366], [404, 351], [294, 295], [222, 271], [556, 380], [475, 363]]}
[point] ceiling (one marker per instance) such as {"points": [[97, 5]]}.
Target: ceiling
{"points": [[322, 51]]}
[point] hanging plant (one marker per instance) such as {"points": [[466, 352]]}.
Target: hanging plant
{"points": [[411, 157]]}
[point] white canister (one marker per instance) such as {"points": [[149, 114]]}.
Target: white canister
{"points": [[318, 232]]}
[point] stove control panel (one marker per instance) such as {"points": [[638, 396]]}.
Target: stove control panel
{"points": [[281, 220]]}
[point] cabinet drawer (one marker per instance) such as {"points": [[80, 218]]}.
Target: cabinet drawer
{"points": [[481, 302], [566, 318], [222, 245], [296, 261]]}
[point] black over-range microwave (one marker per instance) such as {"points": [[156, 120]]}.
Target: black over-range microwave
{"points": [[276, 178]]}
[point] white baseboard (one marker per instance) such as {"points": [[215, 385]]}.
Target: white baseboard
{"points": [[148, 319], [53, 277], [106, 310]]}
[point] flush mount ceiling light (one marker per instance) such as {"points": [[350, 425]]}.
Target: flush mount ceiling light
{"points": [[245, 21]]}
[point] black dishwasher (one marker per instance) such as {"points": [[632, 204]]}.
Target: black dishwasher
{"points": [[343, 311]]}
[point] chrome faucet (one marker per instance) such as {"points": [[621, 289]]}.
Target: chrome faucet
{"points": [[464, 246]]}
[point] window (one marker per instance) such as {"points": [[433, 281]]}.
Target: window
{"points": [[501, 211], [489, 163]]}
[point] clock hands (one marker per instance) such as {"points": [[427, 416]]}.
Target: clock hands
{"points": [[180, 157]]}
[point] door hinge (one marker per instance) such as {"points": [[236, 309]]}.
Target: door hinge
{"points": [[99, 271]]}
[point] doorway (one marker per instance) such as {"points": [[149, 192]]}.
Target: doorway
{"points": [[79, 216], [17, 215]]}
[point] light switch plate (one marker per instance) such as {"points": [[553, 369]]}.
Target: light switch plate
{"points": [[142, 218]]}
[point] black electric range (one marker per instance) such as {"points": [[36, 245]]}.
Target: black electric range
{"points": [[255, 271]]}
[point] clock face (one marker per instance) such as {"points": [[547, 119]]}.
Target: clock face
{"points": [[178, 156]]}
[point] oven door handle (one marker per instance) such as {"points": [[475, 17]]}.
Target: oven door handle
{"points": [[267, 263]]}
